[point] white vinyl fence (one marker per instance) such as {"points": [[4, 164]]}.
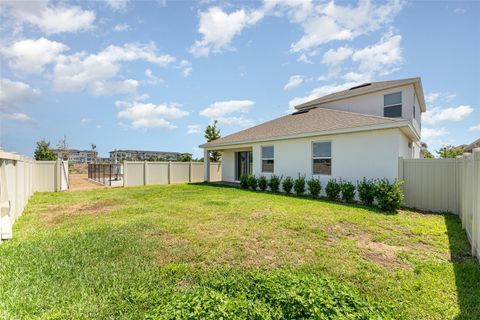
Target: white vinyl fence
{"points": [[20, 177], [137, 173], [446, 185]]}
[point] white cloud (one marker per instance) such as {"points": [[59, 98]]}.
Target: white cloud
{"points": [[474, 128], [329, 22], [194, 128], [109, 88], [16, 116], [430, 134], [30, 55], [226, 112], [186, 67], [121, 27], [149, 115], [218, 29], [50, 18], [432, 97], [304, 58], [15, 93], [437, 115], [336, 56], [79, 71], [117, 4], [381, 58], [294, 82], [152, 79]]}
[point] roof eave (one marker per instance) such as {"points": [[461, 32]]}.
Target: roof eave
{"points": [[415, 81], [409, 131]]}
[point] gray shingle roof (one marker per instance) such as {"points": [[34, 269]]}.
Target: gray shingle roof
{"points": [[371, 87], [315, 120]]}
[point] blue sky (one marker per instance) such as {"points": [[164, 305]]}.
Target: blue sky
{"points": [[152, 75]]}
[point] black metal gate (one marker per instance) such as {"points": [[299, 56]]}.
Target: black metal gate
{"points": [[104, 173]]}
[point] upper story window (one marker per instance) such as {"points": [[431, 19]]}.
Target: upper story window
{"points": [[267, 159], [322, 158], [392, 105], [414, 99]]}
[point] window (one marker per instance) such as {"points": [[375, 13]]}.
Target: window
{"points": [[392, 105], [267, 159], [414, 98], [322, 158]]}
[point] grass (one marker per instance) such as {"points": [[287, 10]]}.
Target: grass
{"points": [[204, 251]]}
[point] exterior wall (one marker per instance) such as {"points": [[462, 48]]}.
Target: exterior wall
{"points": [[372, 103], [371, 154]]}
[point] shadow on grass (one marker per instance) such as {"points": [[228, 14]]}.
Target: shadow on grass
{"points": [[466, 268], [321, 199]]}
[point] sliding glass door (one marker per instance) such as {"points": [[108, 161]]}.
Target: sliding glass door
{"points": [[243, 164]]}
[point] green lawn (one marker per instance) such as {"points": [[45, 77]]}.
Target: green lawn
{"points": [[203, 251]]}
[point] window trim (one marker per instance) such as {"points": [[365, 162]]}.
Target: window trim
{"points": [[393, 105], [314, 158], [262, 158]]}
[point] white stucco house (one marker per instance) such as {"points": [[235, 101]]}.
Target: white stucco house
{"points": [[351, 134]]}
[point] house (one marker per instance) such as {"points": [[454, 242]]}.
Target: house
{"points": [[469, 148], [351, 134], [142, 155], [77, 156]]}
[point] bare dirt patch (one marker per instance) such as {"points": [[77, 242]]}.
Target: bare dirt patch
{"points": [[55, 214], [77, 182]]}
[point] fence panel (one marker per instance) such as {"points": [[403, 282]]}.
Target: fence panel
{"points": [[446, 185], [146, 173]]}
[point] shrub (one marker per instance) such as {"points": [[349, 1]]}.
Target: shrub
{"points": [[252, 182], [262, 183], [389, 195], [274, 183], [314, 187], [244, 181], [299, 185], [366, 191], [287, 185], [348, 191], [332, 190]]}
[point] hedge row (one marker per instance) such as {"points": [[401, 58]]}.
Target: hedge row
{"points": [[388, 196]]}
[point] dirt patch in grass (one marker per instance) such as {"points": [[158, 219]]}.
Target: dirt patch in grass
{"points": [[169, 247], [55, 214]]}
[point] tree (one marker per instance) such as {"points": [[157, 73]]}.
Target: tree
{"points": [[185, 157], [93, 148], [62, 146], [213, 133], [449, 152], [43, 152]]}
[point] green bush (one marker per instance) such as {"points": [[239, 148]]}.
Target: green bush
{"points": [[389, 195], [366, 191], [299, 185], [332, 190], [274, 183], [262, 183], [244, 181], [287, 185], [252, 182], [314, 187], [348, 191]]}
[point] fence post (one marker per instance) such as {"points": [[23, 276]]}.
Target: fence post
{"points": [[475, 200], [145, 173], [190, 172], [169, 172]]}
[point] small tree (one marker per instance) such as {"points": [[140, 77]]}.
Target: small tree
{"points": [[186, 157], [62, 146], [93, 148], [449, 152], [213, 133], [43, 152]]}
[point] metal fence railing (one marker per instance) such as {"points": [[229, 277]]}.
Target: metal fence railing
{"points": [[104, 173]]}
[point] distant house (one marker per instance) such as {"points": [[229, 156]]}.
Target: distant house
{"points": [[351, 134], [77, 156], [471, 146], [142, 155]]}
